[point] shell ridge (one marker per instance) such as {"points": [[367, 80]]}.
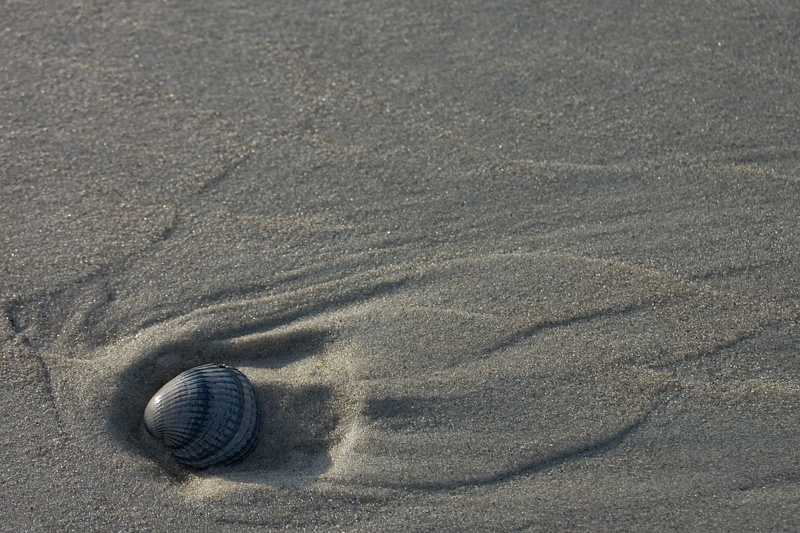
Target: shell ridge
{"points": [[234, 429], [190, 426]]}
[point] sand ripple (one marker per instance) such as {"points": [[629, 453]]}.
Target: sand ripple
{"points": [[467, 372]]}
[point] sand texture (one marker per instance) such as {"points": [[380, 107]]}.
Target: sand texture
{"points": [[489, 266]]}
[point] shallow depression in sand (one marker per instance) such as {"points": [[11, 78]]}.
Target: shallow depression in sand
{"points": [[466, 372]]}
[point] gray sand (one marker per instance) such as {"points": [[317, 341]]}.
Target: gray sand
{"points": [[512, 266]]}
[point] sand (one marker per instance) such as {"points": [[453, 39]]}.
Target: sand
{"points": [[509, 267]]}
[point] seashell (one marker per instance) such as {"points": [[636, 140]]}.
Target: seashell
{"points": [[206, 416]]}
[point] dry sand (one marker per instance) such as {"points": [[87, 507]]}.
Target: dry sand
{"points": [[507, 266]]}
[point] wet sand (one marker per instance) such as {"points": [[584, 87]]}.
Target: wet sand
{"points": [[507, 268]]}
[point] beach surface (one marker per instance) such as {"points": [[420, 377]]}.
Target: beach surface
{"points": [[509, 266]]}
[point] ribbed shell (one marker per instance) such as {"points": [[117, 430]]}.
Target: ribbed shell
{"points": [[206, 416]]}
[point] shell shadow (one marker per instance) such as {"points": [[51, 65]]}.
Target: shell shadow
{"points": [[297, 431], [297, 422]]}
